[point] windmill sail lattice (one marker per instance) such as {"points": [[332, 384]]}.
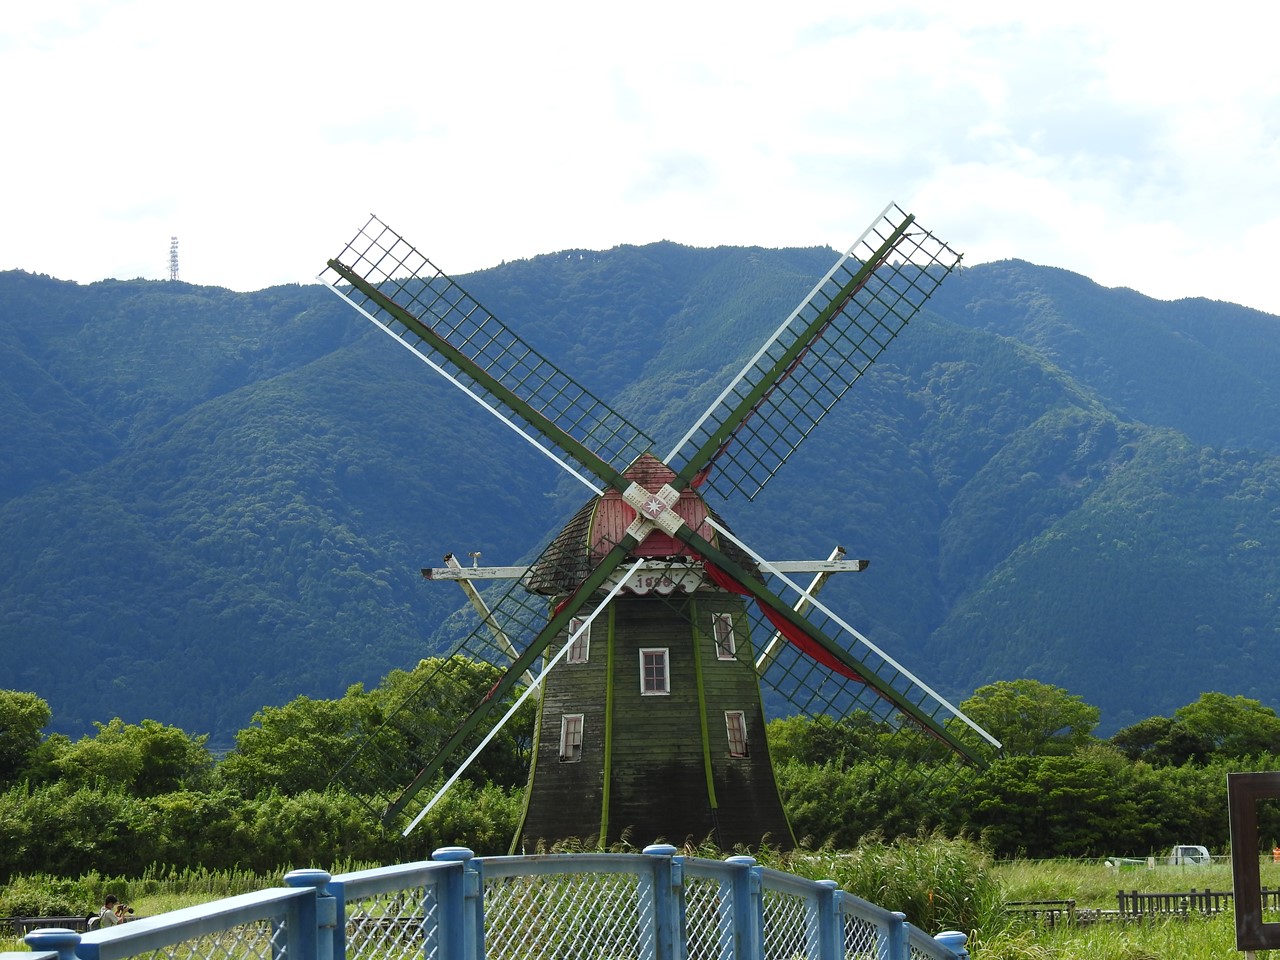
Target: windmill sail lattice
{"points": [[405, 294], [854, 312], [446, 713], [813, 688], [734, 449]]}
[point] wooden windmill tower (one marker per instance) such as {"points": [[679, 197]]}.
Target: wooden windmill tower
{"points": [[647, 626]]}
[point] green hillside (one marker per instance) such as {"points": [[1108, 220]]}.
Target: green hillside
{"points": [[212, 501]]}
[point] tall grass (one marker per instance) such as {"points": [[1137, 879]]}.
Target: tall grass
{"points": [[939, 883]]}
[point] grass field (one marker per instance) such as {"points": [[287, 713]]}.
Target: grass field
{"points": [[1093, 885]]}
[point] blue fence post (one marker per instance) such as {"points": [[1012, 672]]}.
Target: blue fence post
{"points": [[666, 875], [954, 941], [830, 922], [461, 892], [317, 918], [59, 940], [748, 909], [894, 945], [906, 939]]}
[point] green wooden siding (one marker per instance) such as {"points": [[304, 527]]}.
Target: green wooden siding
{"points": [[659, 747]]}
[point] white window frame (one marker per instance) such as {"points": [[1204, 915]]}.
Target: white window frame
{"points": [[722, 633], [735, 728], [664, 653], [571, 727], [580, 650]]}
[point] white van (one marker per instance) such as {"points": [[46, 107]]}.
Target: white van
{"points": [[1189, 855]]}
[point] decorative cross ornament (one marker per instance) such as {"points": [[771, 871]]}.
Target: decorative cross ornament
{"points": [[653, 510]]}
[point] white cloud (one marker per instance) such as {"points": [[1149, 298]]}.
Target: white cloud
{"points": [[1140, 151]]}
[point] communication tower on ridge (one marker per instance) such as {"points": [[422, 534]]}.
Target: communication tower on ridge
{"points": [[173, 258]]}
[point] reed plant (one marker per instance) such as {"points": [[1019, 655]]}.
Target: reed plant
{"points": [[939, 883]]}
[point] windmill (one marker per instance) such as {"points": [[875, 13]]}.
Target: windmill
{"points": [[647, 626]]}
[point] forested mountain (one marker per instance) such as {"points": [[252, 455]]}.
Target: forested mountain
{"points": [[211, 501]]}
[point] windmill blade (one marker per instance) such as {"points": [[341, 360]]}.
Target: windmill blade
{"points": [[813, 358], [836, 654], [412, 300], [842, 670], [446, 712], [486, 615], [770, 651], [533, 684]]}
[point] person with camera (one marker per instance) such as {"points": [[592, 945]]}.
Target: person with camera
{"points": [[112, 912], [109, 915]]}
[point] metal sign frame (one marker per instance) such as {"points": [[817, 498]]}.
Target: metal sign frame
{"points": [[1244, 791]]}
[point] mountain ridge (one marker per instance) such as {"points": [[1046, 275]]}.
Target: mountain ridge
{"points": [[218, 501]]}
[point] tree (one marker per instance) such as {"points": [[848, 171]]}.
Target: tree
{"points": [[22, 717], [301, 746], [297, 747], [144, 759], [1181, 804], [1053, 806], [424, 707], [1160, 741], [195, 827], [823, 739], [1231, 727], [1032, 718]]}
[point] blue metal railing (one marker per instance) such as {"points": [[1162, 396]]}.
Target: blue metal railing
{"points": [[602, 906]]}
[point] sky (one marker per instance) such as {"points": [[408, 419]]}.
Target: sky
{"points": [[1139, 149]]}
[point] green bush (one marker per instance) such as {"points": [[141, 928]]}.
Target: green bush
{"points": [[40, 895]]}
